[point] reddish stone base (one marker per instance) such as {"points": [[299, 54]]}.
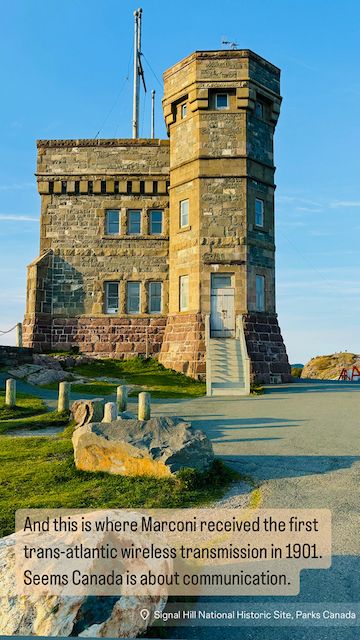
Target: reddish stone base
{"points": [[266, 349], [103, 337], [183, 347]]}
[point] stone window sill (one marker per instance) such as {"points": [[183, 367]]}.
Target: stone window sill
{"points": [[183, 229]]}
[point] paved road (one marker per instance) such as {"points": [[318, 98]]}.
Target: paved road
{"points": [[302, 442]]}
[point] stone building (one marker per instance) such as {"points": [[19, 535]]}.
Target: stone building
{"points": [[166, 247]]}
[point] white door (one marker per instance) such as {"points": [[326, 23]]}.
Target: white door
{"points": [[222, 313]]}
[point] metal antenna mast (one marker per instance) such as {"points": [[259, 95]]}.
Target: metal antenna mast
{"points": [[153, 113], [138, 73], [135, 118]]}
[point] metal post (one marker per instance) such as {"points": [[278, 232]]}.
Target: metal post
{"points": [[10, 395], [135, 118], [19, 340], [153, 113]]}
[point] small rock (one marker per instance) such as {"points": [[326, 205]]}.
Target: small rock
{"points": [[156, 447], [84, 411]]}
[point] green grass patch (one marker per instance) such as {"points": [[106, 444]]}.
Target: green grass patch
{"points": [[25, 406], [143, 372], [40, 473], [41, 421], [256, 389]]}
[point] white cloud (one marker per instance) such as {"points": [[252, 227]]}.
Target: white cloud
{"points": [[344, 203], [18, 218]]}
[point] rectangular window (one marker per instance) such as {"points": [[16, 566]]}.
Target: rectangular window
{"points": [[112, 222], [155, 186], [116, 186], [133, 297], [90, 187], [111, 297], [134, 221], [184, 292], [221, 280], [142, 187], [184, 213], [63, 187], [259, 212], [221, 101], [103, 186], [260, 293], [259, 109], [129, 186], [77, 187], [155, 297], [183, 110], [155, 222]]}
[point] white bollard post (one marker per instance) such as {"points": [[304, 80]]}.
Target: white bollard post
{"points": [[10, 396], [144, 408], [64, 397], [110, 412], [121, 398], [19, 338]]}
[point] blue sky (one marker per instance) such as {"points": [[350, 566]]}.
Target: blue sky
{"points": [[66, 73]]}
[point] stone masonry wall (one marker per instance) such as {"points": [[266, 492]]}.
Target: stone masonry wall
{"points": [[266, 349], [183, 347], [113, 337]]}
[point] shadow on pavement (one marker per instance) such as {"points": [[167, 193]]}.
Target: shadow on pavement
{"points": [[274, 467]]}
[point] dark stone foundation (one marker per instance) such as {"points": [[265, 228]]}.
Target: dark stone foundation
{"points": [[183, 347], [266, 349], [98, 336]]}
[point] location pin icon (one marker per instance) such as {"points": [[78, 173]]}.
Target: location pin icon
{"points": [[144, 613]]}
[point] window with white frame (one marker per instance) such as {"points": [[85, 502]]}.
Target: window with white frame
{"points": [[133, 297], [260, 293], [155, 221], [112, 222], [184, 213], [184, 293], [155, 297], [183, 110], [221, 101], [259, 212], [134, 222], [111, 297]]}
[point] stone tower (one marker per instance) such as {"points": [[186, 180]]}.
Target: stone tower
{"points": [[221, 109], [165, 248]]}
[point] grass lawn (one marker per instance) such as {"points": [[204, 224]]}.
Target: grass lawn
{"points": [[40, 473], [147, 373], [25, 406]]}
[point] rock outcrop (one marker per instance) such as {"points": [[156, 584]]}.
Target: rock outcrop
{"points": [[158, 447], [330, 367]]}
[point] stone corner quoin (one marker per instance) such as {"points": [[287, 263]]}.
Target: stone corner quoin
{"points": [[142, 242]]}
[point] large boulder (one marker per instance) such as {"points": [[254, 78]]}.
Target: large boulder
{"points": [[157, 447], [76, 616]]}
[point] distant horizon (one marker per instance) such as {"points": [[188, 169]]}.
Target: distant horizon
{"points": [[73, 88]]}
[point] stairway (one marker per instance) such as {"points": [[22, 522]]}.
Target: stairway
{"points": [[227, 371]]}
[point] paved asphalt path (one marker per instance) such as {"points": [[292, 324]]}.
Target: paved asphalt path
{"points": [[302, 443]]}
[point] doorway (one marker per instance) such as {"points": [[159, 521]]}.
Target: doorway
{"points": [[222, 318]]}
